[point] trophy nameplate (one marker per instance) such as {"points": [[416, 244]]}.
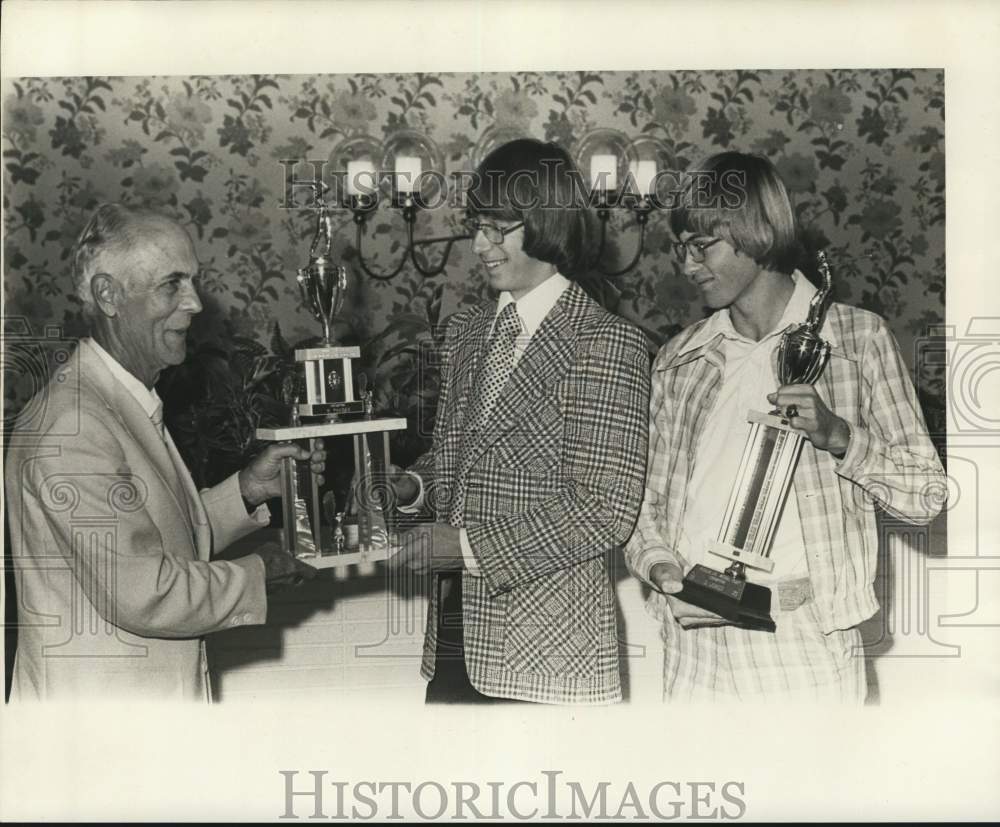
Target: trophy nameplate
{"points": [[761, 487]]}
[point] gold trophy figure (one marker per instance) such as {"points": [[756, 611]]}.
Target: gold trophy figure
{"points": [[762, 484]]}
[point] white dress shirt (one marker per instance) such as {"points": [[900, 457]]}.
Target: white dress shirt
{"points": [[147, 398]]}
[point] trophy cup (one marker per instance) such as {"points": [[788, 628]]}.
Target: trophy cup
{"points": [[762, 485], [331, 410]]}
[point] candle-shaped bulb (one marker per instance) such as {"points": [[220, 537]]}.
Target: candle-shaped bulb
{"points": [[408, 169], [643, 173], [360, 177], [603, 172]]}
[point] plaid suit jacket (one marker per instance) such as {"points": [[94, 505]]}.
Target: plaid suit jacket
{"points": [[550, 486]]}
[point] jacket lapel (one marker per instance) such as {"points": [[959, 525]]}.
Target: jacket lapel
{"points": [[196, 510], [129, 413], [550, 354], [467, 352]]}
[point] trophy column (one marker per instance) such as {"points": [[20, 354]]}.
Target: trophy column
{"points": [[311, 540], [759, 492]]}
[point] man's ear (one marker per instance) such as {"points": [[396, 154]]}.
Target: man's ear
{"points": [[107, 293]]}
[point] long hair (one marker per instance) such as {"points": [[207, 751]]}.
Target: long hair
{"points": [[537, 183], [741, 198]]}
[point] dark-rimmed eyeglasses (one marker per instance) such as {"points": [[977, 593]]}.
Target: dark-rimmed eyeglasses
{"points": [[491, 232], [695, 248]]}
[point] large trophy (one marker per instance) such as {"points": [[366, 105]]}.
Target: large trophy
{"points": [[315, 530], [762, 485]]}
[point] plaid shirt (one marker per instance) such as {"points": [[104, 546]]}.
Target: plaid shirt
{"points": [[889, 460]]}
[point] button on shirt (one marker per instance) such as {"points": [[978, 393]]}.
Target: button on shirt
{"points": [[750, 375]]}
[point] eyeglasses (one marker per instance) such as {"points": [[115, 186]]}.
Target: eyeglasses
{"points": [[695, 248], [491, 232]]}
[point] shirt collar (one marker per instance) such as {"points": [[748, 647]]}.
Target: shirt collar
{"points": [[148, 399], [796, 311], [534, 306]]}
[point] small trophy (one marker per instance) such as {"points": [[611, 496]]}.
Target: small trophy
{"points": [[762, 485], [330, 410]]}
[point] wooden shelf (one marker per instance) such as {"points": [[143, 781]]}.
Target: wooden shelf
{"points": [[321, 429]]}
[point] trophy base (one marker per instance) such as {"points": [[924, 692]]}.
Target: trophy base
{"points": [[747, 605]]}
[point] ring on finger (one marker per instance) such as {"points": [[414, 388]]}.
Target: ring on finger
{"points": [[792, 411]]}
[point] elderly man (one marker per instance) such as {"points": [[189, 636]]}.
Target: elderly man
{"points": [[110, 538]]}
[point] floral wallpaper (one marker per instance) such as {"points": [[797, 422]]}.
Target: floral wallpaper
{"points": [[862, 153]]}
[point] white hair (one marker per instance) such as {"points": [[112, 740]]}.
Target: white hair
{"points": [[113, 229]]}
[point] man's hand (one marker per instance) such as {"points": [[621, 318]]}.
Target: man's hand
{"points": [[404, 486], [430, 547], [668, 578], [261, 479], [281, 569], [823, 427]]}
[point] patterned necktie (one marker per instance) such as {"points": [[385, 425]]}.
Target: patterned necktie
{"points": [[497, 367], [496, 370]]}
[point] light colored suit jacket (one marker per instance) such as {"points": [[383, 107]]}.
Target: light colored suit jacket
{"points": [[552, 483], [111, 548]]}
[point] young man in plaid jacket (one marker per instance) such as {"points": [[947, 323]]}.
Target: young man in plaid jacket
{"points": [[538, 459], [866, 439]]}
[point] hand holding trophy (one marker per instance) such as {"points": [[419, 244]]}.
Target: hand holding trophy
{"points": [[762, 484]]}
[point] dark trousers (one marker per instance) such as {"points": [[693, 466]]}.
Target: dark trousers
{"points": [[451, 684]]}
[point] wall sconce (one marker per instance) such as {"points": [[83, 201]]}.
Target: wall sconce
{"points": [[408, 171], [621, 172]]}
